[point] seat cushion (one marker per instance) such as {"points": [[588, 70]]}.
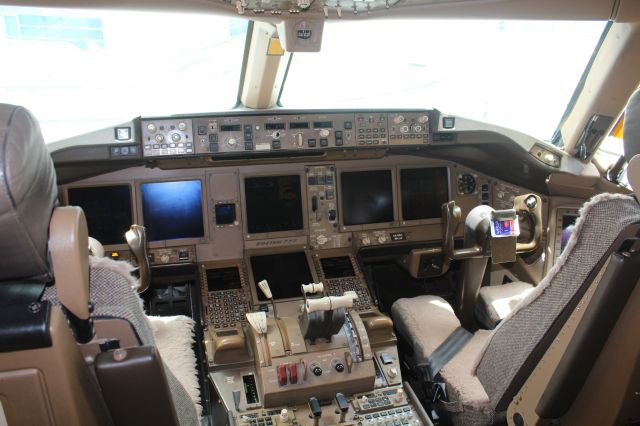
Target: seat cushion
{"points": [[425, 321], [497, 301], [468, 403]]}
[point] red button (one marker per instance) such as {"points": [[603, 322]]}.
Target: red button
{"points": [[281, 370], [293, 372]]}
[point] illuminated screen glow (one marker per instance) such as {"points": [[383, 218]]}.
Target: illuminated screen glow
{"points": [[172, 210]]}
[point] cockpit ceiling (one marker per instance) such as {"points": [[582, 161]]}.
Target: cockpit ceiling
{"points": [[282, 10]]}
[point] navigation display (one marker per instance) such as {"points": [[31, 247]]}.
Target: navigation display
{"points": [[423, 192], [107, 209], [273, 203], [172, 210], [284, 272], [223, 279], [367, 197]]}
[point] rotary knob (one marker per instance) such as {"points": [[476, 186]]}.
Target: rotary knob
{"points": [[176, 137], [393, 372], [423, 119], [165, 258], [151, 128], [159, 138], [182, 126], [365, 241], [275, 135], [417, 128], [382, 239], [404, 129], [398, 119], [321, 240], [232, 142], [324, 133]]}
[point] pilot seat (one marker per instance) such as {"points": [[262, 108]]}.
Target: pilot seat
{"points": [[548, 338]]}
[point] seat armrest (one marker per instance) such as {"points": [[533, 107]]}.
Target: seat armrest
{"points": [[135, 386]]}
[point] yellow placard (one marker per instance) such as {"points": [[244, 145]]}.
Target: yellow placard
{"points": [[275, 48]]}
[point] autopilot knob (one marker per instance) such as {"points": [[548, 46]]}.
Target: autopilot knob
{"points": [[365, 240], [321, 240], [232, 142], [382, 239], [324, 133]]}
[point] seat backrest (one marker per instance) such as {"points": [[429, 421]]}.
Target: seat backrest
{"points": [[27, 197], [521, 339]]}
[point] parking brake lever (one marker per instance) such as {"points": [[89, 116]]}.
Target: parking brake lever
{"points": [[136, 238]]}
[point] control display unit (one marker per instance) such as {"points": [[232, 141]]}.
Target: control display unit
{"points": [[107, 209], [172, 210], [273, 204], [285, 273], [367, 197], [337, 267], [223, 279], [423, 191]]}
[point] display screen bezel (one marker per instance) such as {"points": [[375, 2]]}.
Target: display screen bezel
{"points": [[65, 201], [412, 222], [275, 234], [177, 241], [394, 198]]}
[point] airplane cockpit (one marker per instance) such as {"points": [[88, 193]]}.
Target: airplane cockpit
{"points": [[319, 213]]}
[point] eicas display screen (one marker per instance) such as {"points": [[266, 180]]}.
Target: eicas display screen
{"points": [[274, 203], [367, 197], [172, 210], [423, 192], [284, 272], [107, 209]]}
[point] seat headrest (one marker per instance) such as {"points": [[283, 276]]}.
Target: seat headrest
{"points": [[28, 194], [631, 131]]}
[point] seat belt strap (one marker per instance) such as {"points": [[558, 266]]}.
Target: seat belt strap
{"points": [[445, 352]]}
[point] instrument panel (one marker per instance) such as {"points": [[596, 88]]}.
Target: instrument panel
{"points": [[225, 134]]}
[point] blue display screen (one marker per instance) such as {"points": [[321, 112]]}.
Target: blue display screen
{"points": [[172, 210]]}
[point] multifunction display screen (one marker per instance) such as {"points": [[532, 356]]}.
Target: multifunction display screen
{"points": [[172, 210], [107, 209], [285, 273], [273, 203], [423, 192], [367, 197]]}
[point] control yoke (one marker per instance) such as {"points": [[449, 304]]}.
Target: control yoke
{"points": [[136, 238], [487, 233], [478, 225]]}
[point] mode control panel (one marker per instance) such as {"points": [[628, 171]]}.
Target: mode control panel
{"points": [[409, 128], [242, 133], [167, 137]]}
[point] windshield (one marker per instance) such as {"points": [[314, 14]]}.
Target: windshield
{"points": [[516, 74], [83, 70]]}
